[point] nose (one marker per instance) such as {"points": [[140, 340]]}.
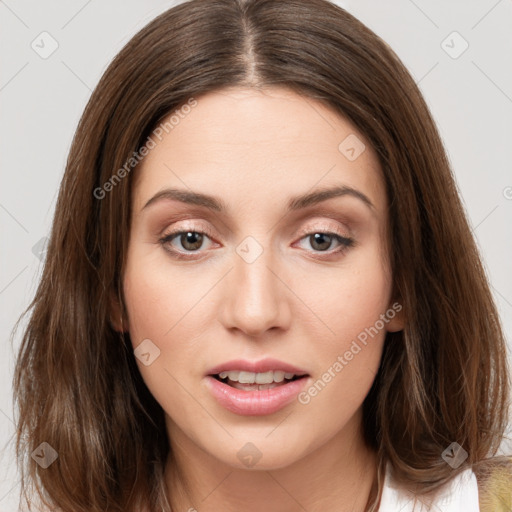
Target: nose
{"points": [[256, 296]]}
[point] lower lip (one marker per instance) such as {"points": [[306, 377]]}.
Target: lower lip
{"points": [[255, 403]]}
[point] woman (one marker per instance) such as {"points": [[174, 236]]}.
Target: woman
{"points": [[261, 291]]}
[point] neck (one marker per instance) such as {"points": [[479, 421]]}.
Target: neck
{"points": [[339, 475]]}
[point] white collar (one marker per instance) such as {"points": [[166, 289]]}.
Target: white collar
{"points": [[459, 495]]}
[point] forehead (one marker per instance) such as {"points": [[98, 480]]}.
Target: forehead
{"points": [[244, 144]]}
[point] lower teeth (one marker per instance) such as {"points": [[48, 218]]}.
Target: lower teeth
{"points": [[253, 387]]}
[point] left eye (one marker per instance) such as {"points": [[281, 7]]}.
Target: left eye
{"points": [[321, 241]]}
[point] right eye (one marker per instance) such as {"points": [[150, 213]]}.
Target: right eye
{"points": [[190, 241]]}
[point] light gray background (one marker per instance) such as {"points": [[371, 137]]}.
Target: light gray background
{"points": [[41, 101]]}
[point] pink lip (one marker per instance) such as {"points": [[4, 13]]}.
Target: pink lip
{"points": [[255, 403], [265, 365]]}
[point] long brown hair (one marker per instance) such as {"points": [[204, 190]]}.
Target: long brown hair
{"points": [[443, 379]]}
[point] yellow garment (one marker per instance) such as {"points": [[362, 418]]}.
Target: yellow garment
{"points": [[495, 492]]}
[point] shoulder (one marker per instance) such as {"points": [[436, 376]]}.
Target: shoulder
{"points": [[484, 487], [494, 478], [459, 494]]}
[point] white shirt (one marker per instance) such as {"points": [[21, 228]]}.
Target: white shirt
{"points": [[459, 495]]}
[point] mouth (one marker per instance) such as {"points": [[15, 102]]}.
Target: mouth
{"points": [[250, 388]]}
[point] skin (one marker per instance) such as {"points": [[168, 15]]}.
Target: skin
{"points": [[254, 150]]}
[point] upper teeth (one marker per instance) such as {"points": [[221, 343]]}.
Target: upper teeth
{"points": [[258, 378]]}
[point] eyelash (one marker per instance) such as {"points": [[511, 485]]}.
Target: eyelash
{"points": [[346, 242]]}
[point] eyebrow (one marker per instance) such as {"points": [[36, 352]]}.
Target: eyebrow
{"points": [[295, 203]]}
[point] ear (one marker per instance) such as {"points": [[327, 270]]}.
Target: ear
{"points": [[117, 319], [396, 315]]}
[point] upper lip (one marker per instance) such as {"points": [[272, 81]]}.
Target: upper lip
{"points": [[261, 366]]}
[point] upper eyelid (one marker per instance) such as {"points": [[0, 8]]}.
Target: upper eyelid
{"points": [[307, 229]]}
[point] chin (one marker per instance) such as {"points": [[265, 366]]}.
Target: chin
{"points": [[255, 452]]}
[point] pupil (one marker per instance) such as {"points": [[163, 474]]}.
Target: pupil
{"points": [[194, 239], [319, 239]]}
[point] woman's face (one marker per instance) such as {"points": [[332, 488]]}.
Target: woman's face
{"points": [[239, 255]]}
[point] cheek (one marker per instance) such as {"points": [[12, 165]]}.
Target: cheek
{"points": [[158, 299], [348, 299], [166, 305], [160, 306], [354, 310]]}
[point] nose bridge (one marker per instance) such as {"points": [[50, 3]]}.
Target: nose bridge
{"points": [[256, 298]]}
